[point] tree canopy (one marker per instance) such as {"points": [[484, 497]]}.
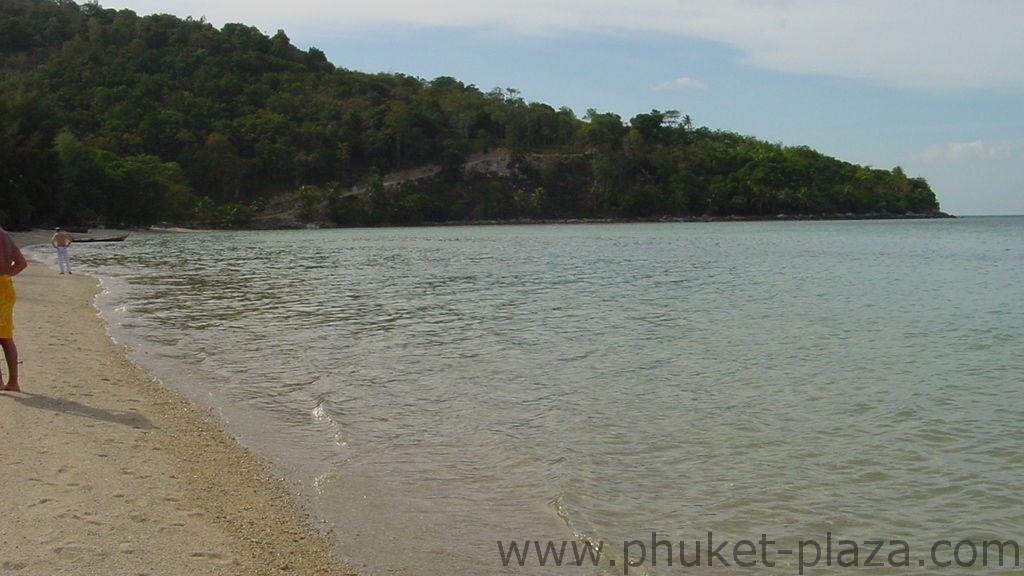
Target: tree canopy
{"points": [[111, 118]]}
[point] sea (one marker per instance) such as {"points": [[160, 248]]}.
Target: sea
{"points": [[784, 397]]}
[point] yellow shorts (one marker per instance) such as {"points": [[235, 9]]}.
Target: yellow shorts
{"points": [[7, 297]]}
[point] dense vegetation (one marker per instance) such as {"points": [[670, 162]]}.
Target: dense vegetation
{"points": [[111, 118]]}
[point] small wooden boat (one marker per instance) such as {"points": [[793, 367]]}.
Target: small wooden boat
{"points": [[106, 239]]}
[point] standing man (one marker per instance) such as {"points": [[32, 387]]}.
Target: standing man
{"points": [[61, 241], [12, 262]]}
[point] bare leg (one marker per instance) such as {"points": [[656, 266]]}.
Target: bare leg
{"points": [[11, 353]]}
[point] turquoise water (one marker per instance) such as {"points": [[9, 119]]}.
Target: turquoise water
{"points": [[432, 391]]}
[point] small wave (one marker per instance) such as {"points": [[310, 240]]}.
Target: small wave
{"points": [[611, 556], [321, 481], [320, 416]]}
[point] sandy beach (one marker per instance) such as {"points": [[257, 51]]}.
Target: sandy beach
{"points": [[106, 472]]}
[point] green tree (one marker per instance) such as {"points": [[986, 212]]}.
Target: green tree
{"points": [[239, 116], [29, 172]]}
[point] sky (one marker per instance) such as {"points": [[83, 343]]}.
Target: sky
{"points": [[933, 86]]}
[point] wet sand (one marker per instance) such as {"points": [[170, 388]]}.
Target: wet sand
{"points": [[105, 471]]}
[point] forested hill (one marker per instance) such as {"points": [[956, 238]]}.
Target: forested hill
{"points": [[111, 118]]}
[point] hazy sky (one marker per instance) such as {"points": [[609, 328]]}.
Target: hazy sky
{"points": [[934, 86]]}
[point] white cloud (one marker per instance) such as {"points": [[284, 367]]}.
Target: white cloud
{"points": [[943, 45], [963, 151], [682, 83]]}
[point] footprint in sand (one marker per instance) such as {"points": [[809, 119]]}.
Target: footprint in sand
{"points": [[214, 557]]}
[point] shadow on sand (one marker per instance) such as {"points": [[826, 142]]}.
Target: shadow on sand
{"points": [[64, 406]]}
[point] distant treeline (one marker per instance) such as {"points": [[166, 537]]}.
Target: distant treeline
{"points": [[111, 118]]}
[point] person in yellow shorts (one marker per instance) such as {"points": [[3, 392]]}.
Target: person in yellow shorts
{"points": [[12, 262]]}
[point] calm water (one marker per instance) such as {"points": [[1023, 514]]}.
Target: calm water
{"points": [[431, 391]]}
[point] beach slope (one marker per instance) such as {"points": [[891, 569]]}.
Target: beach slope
{"points": [[107, 472]]}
